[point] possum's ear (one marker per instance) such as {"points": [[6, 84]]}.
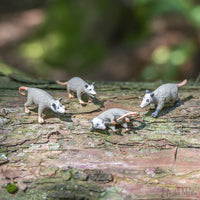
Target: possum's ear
{"points": [[53, 106], [147, 91], [93, 83], [60, 99], [86, 86], [152, 94]]}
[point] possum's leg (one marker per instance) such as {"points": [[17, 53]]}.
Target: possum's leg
{"points": [[79, 94], [177, 102], [111, 120], [125, 125], [154, 105], [155, 114], [90, 100], [113, 128], [71, 95], [175, 99], [158, 109], [28, 103], [127, 119], [40, 110]]}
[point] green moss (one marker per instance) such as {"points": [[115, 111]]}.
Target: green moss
{"points": [[65, 174], [49, 171], [3, 149], [12, 188]]}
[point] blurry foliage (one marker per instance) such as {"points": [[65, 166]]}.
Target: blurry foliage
{"points": [[6, 69], [10, 6], [165, 62], [77, 35]]}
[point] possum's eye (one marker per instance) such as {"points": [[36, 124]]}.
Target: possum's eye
{"points": [[60, 105], [147, 100]]}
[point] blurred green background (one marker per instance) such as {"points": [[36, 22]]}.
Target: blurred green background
{"points": [[121, 40]]}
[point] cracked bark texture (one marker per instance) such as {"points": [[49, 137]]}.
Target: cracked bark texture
{"points": [[61, 159]]}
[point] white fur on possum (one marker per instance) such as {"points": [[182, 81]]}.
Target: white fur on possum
{"points": [[111, 117], [79, 87], [42, 99], [163, 94]]}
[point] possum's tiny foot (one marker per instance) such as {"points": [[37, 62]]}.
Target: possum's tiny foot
{"points": [[154, 114], [126, 130], [82, 102], [71, 96], [114, 123], [127, 120], [116, 131], [40, 120], [27, 110], [177, 103], [90, 101]]}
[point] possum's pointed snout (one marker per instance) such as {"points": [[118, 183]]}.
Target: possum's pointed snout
{"points": [[93, 93], [141, 106], [63, 111]]}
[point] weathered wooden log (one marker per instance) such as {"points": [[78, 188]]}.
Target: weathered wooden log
{"points": [[159, 158]]}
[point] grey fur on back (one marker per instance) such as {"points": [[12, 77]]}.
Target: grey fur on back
{"points": [[167, 92], [109, 118], [40, 97], [76, 84], [164, 94], [112, 114], [43, 100]]}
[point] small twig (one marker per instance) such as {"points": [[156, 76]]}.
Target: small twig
{"points": [[175, 154]]}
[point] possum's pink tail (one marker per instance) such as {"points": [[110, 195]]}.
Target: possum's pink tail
{"points": [[134, 114], [61, 83], [22, 88], [182, 83]]}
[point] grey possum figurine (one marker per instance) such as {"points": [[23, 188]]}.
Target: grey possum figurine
{"points": [[42, 99], [163, 94], [79, 87], [112, 117]]}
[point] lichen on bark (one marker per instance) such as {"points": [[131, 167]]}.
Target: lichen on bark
{"points": [[62, 157]]}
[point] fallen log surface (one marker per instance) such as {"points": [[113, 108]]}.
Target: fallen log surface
{"points": [[158, 159]]}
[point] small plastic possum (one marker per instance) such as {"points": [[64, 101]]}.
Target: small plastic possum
{"points": [[42, 99], [164, 94], [112, 117], [79, 87]]}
